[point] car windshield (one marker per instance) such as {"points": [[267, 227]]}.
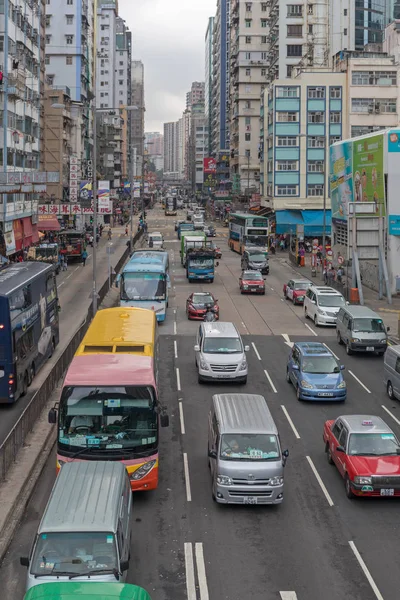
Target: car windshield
{"points": [[73, 553], [368, 325], [301, 285], [373, 444], [252, 275], [222, 345], [258, 257], [202, 299], [143, 286], [320, 365], [332, 300], [156, 238], [201, 262], [258, 446], [107, 418]]}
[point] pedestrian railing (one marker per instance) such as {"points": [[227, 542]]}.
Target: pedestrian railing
{"points": [[17, 436]]}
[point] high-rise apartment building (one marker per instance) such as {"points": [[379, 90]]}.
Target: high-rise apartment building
{"points": [[248, 61], [138, 114], [220, 121], [22, 115], [208, 84], [198, 145], [171, 144], [154, 142], [196, 94], [123, 49]]}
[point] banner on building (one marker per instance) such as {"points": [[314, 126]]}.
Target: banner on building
{"points": [[73, 178], [255, 201], [66, 209], [209, 166], [85, 193], [103, 194]]}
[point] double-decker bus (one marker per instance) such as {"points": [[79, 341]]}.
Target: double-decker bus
{"points": [[145, 284], [170, 206], [109, 407], [72, 243], [247, 229], [29, 325]]}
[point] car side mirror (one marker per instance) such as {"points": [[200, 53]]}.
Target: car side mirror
{"points": [[342, 367], [285, 456], [313, 302], [212, 454], [124, 565], [246, 348], [339, 449], [52, 416], [164, 420], [197, 348], [295, 367], [347, 302], [24, 561]]}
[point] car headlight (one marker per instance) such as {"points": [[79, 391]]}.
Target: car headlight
{"points": [[384, 341], [203, 365], [224, 480], [143, 470], [305, 384], [363, 480], [355, 340], [245, 286], [243, 366], [341, 385], [276, 481], [322, 312]]}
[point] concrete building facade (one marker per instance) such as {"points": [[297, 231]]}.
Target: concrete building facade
{"points": [[220, 121], [123, 49], [171, 142], [209, 74], [196, 94], [138, 100], [198, 145]]}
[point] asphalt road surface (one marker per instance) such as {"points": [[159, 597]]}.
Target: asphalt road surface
{"points": [[317, 545]]}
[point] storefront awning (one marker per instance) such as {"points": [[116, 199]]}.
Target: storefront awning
{"points": [[48, 223], [312, 220]]}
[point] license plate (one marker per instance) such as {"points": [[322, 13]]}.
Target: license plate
{"points": [[370, 348], [221, 376], [387, 492], [326, 395], [249, 500]]}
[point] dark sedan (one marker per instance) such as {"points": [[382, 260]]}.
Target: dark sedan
{"points": [[196, 305]]}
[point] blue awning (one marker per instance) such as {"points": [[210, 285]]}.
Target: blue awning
{"points": [[287, 220]]}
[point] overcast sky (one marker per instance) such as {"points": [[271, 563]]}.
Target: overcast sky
{"points": [[168, 36]]}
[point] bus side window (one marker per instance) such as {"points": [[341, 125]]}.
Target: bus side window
{"points": [[27, 296], [50, 283]]}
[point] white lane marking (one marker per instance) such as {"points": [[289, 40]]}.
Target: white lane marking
{"points": [[327, 347], [174, 327], [183, 430], [272, 289], [282, 300], [311, 329], [256, 351], [68, 276], [178, 379], [366, 571], [285, 412], [187, 479], [360, 382], [60, 284], [321, 483], [201, 571], [176, 349], [287, 340], [76, 268], [174, 311], [270, 382], [189, 566], [391, 414], [288, 595]]}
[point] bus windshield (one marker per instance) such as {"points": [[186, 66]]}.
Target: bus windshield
{"points": [[143, 286], [108, 418]]}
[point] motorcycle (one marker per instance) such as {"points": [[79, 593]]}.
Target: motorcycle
{"points": [[210, 317]]}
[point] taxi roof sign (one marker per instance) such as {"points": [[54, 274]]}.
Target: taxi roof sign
{"points": [[367, 422]]}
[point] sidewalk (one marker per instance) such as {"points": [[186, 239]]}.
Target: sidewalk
{"points": [[390, 313]]}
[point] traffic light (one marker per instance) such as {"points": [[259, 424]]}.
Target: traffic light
{"points": [[144, 214], [91, 220]]}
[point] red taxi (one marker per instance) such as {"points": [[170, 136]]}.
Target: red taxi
{"points": [[196, 305], [251, 282], [296, 289], [366, 453]]}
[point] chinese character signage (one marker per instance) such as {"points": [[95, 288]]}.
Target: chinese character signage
{"points": [[103, 195], [71, 209], [209, 166]]}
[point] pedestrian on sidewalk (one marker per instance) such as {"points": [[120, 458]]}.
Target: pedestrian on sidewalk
{"points": [[84, 257], [65, 263], [325, 276], [339, 274], [126, 230]]}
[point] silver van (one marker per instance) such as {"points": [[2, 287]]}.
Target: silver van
{"points": [[85, 531], [391, 372], [361, 330], [244, 451], [219, 353]]}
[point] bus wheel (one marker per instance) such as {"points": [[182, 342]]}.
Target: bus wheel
{"points": [[31, 374], [25, 386]]}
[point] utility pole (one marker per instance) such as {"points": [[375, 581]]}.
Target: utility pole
{"points": [[94, 199], [248, 179], [131, 205]]}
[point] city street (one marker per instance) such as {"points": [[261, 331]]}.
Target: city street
{"points": [[317, 545], [74, 292]]}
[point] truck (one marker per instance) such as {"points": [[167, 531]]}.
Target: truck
{"points": [[200, 263], [47, 253], [170, 206], [192, 234], [198, 220]]}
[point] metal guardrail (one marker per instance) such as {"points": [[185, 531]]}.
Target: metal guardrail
{"points": [[17, 436]]}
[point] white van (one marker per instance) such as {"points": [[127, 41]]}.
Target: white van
{"points": [[322, 304], [391, 372], [220, 354], [157, 239], [85, 531]]}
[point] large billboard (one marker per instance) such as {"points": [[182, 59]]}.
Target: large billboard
{"points": [[357, 175], [394, 182], [209, 166]]}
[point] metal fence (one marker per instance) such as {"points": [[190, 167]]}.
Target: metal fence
{"points": [[17, 436]]}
